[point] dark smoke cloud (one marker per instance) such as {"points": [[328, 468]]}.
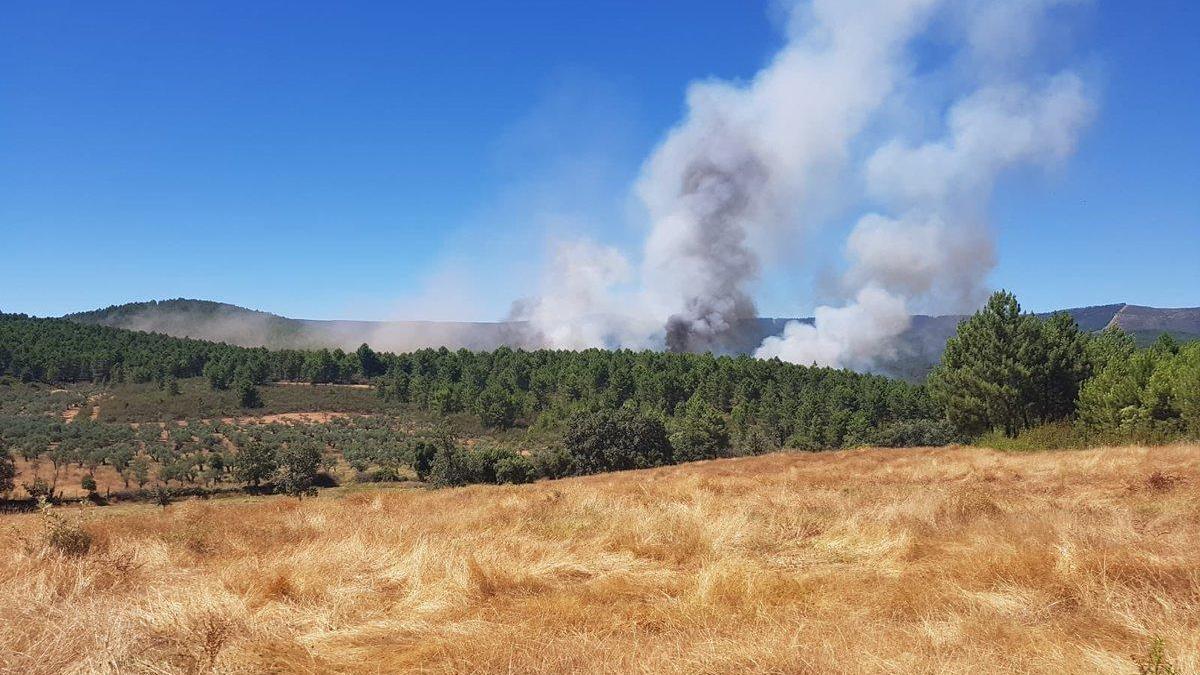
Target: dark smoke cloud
{"points": [[719, 199], [753, 165]]}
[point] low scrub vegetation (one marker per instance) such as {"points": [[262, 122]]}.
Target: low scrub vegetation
{"points": [[194, 399], [1050, 436]]}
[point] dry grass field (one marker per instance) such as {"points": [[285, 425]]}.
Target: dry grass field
{"points": [[951, 560]]}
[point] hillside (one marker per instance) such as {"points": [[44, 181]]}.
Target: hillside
{"points": [[222, 322], [1147, 323], [866, 561], [921, 344]]}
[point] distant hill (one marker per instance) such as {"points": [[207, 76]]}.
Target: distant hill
{"points": [[1147, 323], [921, 345], [222, 322]]}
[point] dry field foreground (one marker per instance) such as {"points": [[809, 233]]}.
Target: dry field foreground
{"points": [[943, 560]]}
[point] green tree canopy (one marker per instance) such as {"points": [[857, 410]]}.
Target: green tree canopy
{"points": [[614, 440], [1007, 370]]}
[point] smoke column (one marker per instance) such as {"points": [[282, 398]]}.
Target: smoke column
{"points": [[939, 249], [738, 171], [754, 165]]}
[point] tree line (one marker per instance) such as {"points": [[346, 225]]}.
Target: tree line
{"points": [[1004, 371], [1008, 371], [59, 350], [767, 403]]}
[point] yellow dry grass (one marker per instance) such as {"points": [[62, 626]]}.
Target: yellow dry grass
{"points": [[951, 560]]}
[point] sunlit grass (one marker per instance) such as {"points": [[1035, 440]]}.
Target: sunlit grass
{"points": [[927, 560]]}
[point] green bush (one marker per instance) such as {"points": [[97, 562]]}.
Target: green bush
{"points": [[299, 466], [39, 489], [255, 463], [1149, 396], [754, 440], [552, 463], [8, 472], [1156, 662], [452, 466], [1056, 436], [497, 408], [615, 440], [163, 495], [248, 396], [700, 433], [915, 433], [423, 453], [515, 468]]}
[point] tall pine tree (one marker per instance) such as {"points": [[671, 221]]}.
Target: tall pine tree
{"points": [[1007, 370]]}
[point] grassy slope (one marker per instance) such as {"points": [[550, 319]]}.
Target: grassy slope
{"points": [[946, 560]]}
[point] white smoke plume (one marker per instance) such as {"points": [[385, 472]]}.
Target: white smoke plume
{"points": [[753, 165], [748, 160], [940, 249], [854, 336], [584, 309], [742, 167]]}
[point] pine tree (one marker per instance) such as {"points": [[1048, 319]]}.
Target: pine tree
{"points": [[989, 368], [700, 433], [368, 361], [1065, 367], [248, 396]]}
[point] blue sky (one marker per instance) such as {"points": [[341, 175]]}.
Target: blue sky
{"points": [[374, 160]]}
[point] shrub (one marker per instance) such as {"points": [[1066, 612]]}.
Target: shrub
{"points": [[614, 440], [299, 465], [515, 468], [39, 489], [1156, 663], [423, 453], [1148, 396], [248, 396], [497, 408], [552, 463], [376, 476], [88, 483], [68, 538], [163, 495], [254, 463], [8, 472], [482, 461], [1162, 482], [452, 466], [912, 433], [1056, 436], [754, 441]]}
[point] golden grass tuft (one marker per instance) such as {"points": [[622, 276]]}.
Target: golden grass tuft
{"points": [[957, 560]]}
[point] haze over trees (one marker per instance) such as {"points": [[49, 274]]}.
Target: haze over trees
{"points": [[549, 414], [813, 408]]}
